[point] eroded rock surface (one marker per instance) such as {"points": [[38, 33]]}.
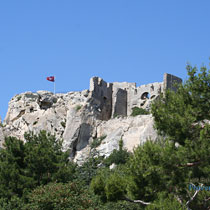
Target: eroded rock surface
{"points": [[80, 117]]}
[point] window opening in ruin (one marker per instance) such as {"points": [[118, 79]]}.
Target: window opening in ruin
{"points": [[145, 96]]}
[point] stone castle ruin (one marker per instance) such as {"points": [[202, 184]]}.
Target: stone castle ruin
{"points": [[80, 117], [119, 98]]}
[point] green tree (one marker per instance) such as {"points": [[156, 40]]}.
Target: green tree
{"points": [[138, 111], [110, 186], [183, 117], [166, 202], [45, 159], [117, 156], [158, 173], [12, 165], [68, 196], [38, 161], [176, 114], [98, 184]]}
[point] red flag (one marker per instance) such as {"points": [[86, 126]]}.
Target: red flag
{"points": [[51, 79]]}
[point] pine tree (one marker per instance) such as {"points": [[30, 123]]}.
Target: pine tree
{"points": [[158, 174], [38, 161]]}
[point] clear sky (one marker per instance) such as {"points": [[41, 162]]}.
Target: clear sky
{"points": [[118, 40]]}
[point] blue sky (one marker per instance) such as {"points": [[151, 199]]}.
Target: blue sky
{"points": [[118, 40]]}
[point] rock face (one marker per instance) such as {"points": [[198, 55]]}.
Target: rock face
{"points": [[1, 137], [81, 117], [1, 134]]}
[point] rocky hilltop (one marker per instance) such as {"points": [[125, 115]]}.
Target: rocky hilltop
{"points": [[101, 113]]}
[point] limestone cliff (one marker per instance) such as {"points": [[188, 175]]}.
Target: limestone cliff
{"points": [[80, 117]]}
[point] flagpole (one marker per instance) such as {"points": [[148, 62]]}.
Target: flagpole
{"points": [[54, 86]]}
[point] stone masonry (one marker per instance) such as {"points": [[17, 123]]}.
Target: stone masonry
{"points": [[118, 98]]}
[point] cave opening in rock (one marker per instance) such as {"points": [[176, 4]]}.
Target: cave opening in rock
{"points": [[45, 105]]}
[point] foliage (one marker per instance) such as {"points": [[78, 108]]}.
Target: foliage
{"points": [[69, 196], [39, 161], [115, 187], [182, 116], [117, 156], [78, 107], [109, 186], [14, 203], [138, 111], [72, 196], [18, 98], [97, 141], [176, 113], [121, 205], [98, 184], [63, 124], [116, 115], [202, 201], [154, 168], [166, 202], [160, 172], [88, 170], [11, 171], [45, 158]]}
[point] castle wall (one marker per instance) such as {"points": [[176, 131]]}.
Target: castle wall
{"points": [[119, 98], [143, 95], [170, 81], [102, 95], [120, 103]]}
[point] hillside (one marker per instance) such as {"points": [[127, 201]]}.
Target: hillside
{"points": [[102, 113]]}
